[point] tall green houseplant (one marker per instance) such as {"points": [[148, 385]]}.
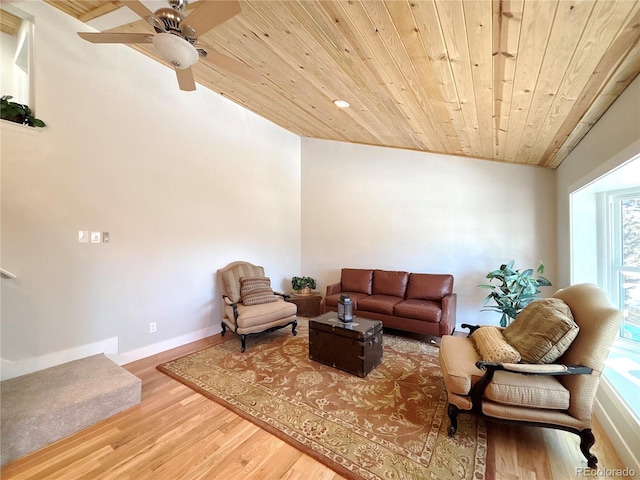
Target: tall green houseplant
{"points": [[514, 290]]}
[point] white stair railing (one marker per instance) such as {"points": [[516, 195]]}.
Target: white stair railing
{"points": [[7, 273]]}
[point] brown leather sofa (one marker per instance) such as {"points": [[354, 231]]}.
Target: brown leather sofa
{"points": [[414, 302]]}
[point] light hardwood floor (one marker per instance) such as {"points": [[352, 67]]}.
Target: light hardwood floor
{"points": [[176, 433]]}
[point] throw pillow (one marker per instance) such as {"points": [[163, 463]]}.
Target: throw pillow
{"points": [[543, 331], [230, 284], [256, 290], [492, 346]]}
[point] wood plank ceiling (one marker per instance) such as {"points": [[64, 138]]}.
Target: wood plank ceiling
{"points": [[9, 23], [517, 81]]}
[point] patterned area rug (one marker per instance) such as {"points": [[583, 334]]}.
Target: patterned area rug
{"points": [[391, 424]]}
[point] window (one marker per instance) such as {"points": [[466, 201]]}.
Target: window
{"points": [[605, 250], [624, 259], [16, 54]]}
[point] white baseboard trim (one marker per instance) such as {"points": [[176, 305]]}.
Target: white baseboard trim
{"points": [[149, 350], [619, 424], [10, 369]]}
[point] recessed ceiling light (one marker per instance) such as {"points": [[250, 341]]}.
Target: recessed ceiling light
{"points": [[341, 103]]}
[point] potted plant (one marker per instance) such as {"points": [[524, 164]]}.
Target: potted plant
{"points": [[18, 113], [303, 285], [515, 290]]}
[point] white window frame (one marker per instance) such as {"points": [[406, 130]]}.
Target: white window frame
{"points": [[611, 260]]}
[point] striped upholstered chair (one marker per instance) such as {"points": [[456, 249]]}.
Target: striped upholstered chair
{"points": [[249, 305], [555, 393]]}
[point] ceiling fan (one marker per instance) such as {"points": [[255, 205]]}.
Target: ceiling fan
{"points": [[176, 36]]}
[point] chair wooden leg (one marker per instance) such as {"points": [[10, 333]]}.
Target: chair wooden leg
{"points": [[452, 411], [586, 442], [293, 329], [224, 329], [243, 341]]}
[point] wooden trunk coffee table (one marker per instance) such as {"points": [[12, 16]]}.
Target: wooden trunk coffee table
{"points": [[354, 347]]}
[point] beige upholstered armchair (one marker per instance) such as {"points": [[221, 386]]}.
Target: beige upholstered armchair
{"points": [[249, 305], [555, 393]]}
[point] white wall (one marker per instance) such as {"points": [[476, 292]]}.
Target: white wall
{"points": [[371, 207], [185, 182], [612, 141]]}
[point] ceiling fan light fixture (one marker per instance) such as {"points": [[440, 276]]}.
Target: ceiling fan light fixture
{"points": [[341, 103], [175, 50]]}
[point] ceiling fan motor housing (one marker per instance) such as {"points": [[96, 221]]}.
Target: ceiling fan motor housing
{"points": [[170, 18]]}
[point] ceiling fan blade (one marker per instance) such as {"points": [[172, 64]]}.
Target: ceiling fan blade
{"points": [[185, 79], [209, 14], [231, 65], [95, 37], [137, 7]]}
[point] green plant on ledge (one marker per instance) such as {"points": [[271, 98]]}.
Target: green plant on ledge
{"points": [[300, 283], [516, 289], [18, 113]]}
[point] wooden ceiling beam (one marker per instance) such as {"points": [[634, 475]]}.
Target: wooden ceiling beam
{"points": [[9, 23]]}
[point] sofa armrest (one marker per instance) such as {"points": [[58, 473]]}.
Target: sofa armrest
{"points": [[473, 328], [286, 296], [536, 368], [228, 301], [333, 288], [448, 319]]}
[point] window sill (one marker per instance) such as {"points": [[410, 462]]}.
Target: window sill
{"points": [[16, 127], [622, 370]]}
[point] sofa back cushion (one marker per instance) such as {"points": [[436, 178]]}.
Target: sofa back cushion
{"points": [[429, 286], [356, 280], [390, 283]]}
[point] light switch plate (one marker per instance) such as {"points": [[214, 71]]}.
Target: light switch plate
{"points": [[106, 238], [83, 236], [96, 237]]}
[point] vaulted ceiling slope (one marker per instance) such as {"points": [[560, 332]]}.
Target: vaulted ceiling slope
{"points": [[517, 81]]}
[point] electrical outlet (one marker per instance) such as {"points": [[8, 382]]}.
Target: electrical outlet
{"points": [[106, 238], [96, 237], [153, 327]]}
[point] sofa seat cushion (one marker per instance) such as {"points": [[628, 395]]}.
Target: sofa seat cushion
{"points": [[258, 315], [458, 357], [379, 304], [332, 300], [389, 283], [356, 280], [531, 391], [419, 309], [429, 286]]}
